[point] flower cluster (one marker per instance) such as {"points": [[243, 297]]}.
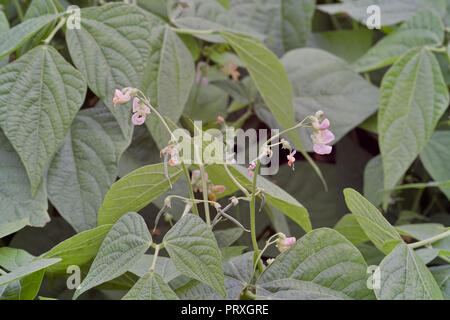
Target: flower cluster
{"points": [[213, 190], [321, 136], [140, 109], [171, 151], [284, 243], [266, 152]]}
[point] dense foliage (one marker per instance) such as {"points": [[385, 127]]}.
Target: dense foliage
{"points": [[102, 104]]}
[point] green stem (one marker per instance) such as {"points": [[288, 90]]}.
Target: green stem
{"points": [[55, 30], [155, 257], [191, 190], [19, 9], [205, 194], [416, 203], [253, 217], [236, 182], [429, 240]]}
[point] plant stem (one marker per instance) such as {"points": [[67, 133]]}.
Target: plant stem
{"points": [[55, 30], [253, 217], [19, 9], [429, 240], [416, 203], [205, 194], [155, 257], [236, 182], [191, 191]]}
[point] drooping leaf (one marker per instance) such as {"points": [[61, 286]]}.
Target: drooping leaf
{"points": [[422, 29], [151, 287], [413, 98], [321, 265], [135, 191], [404, 276], [77, 250], [16, 36], [86, 166], [168, 78], [435, 157], [194, 251], [285, 23], [27, 269], [16, 202], [123, 246], [39, 97], [14, 226], [376, 227], [109, 49]]}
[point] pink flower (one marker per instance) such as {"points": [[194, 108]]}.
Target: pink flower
{"points": [[291, 159], [270, 260], [251, 168], [285, 243], [173, 153], [202, 73], [183, 5], [218, 189], [140, 111], [196, 180], [174, 161], [321, 136], [120, 97]]}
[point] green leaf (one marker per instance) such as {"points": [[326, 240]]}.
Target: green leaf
{"points": [[285, 23], [194, 251], [164, 267], [435, 157], [78, 250], [392, 12], [413, 98], [376, 227], [19, 34], [151, 287], [4, 27], [349, 227], [135, 191], [422, 29], [123, 246], [39, 97], [168, 79], [346, 44], [25, 288], [405, 277], [22, 271], [373, 181], [227, 237], [442, 276], [86, 166], [423, 231], [16, 202], [14, 226], [276, 197], [321, 265], [427, 254], [109, 49]]}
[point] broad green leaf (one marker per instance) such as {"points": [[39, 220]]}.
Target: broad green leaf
{"points": [[392, 12], [86, 166], [151, 287], [123, 246], [27, 269], [16, 36], [16, 202], [376, 227], [4, 27], [135, 191], [168, 79], [237, 273], [435, 158], [39, 97], [25, 288], [194, 251], [231, 252], [404, 276], [425, 28], [349, 227], [427, 254], [78, 250], [204, 15], [227, 237], [413, 98], [285, 23], [110, 50], [349, 45], [373, 181], [442, 276], [321, 265], [13, 226], [164, 267], [322, 81], [158, 7]]}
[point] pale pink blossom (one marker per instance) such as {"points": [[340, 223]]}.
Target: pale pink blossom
{"points": [[140, 111], [173, 153], [270, 260], [120, 97], [284, 243], [291, 159], [251, 168], [321, 136]]}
